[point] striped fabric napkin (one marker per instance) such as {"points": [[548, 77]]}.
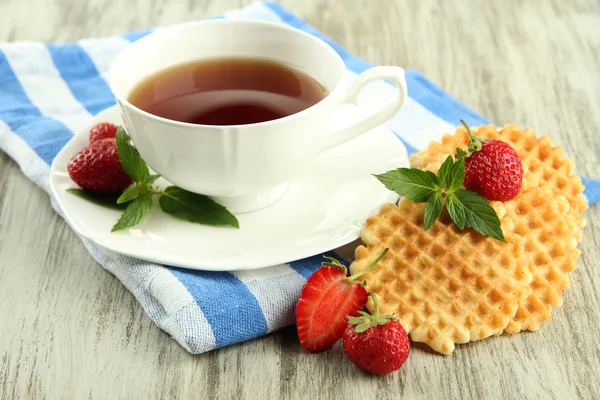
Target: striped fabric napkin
{"points": [[48, 92]]}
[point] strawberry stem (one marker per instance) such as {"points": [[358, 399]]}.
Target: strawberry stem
{"points": [[351, 278], [476, 142], [364, 321], [468, 128]]}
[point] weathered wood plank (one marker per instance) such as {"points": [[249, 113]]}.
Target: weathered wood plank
{"points": [[70, 330]]}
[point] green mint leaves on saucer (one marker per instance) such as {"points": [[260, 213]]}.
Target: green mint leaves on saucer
{"points": [[136, 200], [104, 200], [466, 208]]}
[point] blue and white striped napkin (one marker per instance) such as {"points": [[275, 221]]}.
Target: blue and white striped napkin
{"points": [[48, 92]]}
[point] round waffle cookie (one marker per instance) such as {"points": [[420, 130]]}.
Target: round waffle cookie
{"points": [[445, 285], [542, 219], [560, 205]]}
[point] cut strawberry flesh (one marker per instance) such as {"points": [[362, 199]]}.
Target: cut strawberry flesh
{"points": [[325, 302]]}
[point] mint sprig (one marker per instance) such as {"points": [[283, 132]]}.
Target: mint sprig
{"points": [[130, 194], [466, 208], [134, 213], [415, 185], [433, 209], [137, 199], [104, 200], [130, 159], [195, 207]]}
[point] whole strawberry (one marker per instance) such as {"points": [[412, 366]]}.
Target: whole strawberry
{"points": [[377, 344], [492, 168], [326, 300], [97, 168], [103, 130]]}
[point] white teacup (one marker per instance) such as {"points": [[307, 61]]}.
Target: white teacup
{"points": [[244, 167]]}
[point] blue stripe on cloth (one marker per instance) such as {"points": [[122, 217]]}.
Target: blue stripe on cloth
{"points": [[307, 266], [228, 305], [419, 88], [46, 136], [439, 102], [592, 190], [81, 76], [135, 35]]}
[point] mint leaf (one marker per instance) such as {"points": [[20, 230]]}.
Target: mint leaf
{"points": [[132, 163], [456, 175], [133, 214], [104, 200], [195, 208], [456, 210], [444, 172], [151, 179], [433, 177], [433, 209], [414, 184], [128, 195], [460, 153], [480, 215]]}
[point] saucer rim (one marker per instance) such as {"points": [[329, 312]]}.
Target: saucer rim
{"points": [[182, 262]]}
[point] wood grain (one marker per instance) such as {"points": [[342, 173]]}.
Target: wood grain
{"points": [[70, 330]]}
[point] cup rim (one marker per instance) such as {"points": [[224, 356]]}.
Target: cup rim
{"points": [[156, 34]]}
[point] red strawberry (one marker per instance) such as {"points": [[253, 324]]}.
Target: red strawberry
{"points": [[377, 344], [103, 130], [326, 300], [97, 168], [492, 168]]}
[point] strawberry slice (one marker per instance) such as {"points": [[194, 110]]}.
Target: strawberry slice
{"points": [[326, 300]]}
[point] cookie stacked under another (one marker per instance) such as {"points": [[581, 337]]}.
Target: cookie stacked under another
{"points": [[449, 286]]}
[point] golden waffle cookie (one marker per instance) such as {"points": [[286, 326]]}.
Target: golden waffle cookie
{"points": [[543, 163], [542, 219], [447, 286], [544, 167]]}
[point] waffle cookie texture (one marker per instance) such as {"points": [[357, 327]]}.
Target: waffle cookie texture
{"points": [[449, 286], [550, 236]]}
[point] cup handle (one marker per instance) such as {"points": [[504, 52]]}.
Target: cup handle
{"points": [[393, 74]]}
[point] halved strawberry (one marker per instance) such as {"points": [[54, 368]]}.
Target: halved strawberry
{"points": [[326, 300]]}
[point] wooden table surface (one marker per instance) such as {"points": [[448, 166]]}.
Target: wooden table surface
{"points": [[70, 330]]}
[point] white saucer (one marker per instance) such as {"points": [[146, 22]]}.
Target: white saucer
{"points": [[324, 208]]}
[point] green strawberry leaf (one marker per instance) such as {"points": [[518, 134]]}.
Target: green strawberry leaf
{"points": [[195, 208], [132, 163], [444, 172], [433, 209], [460, 153], [456, 175], [479, 214], [414, 184], [134, 213], [129, 194], [456, 210], [363, 326], [104, 200]]}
